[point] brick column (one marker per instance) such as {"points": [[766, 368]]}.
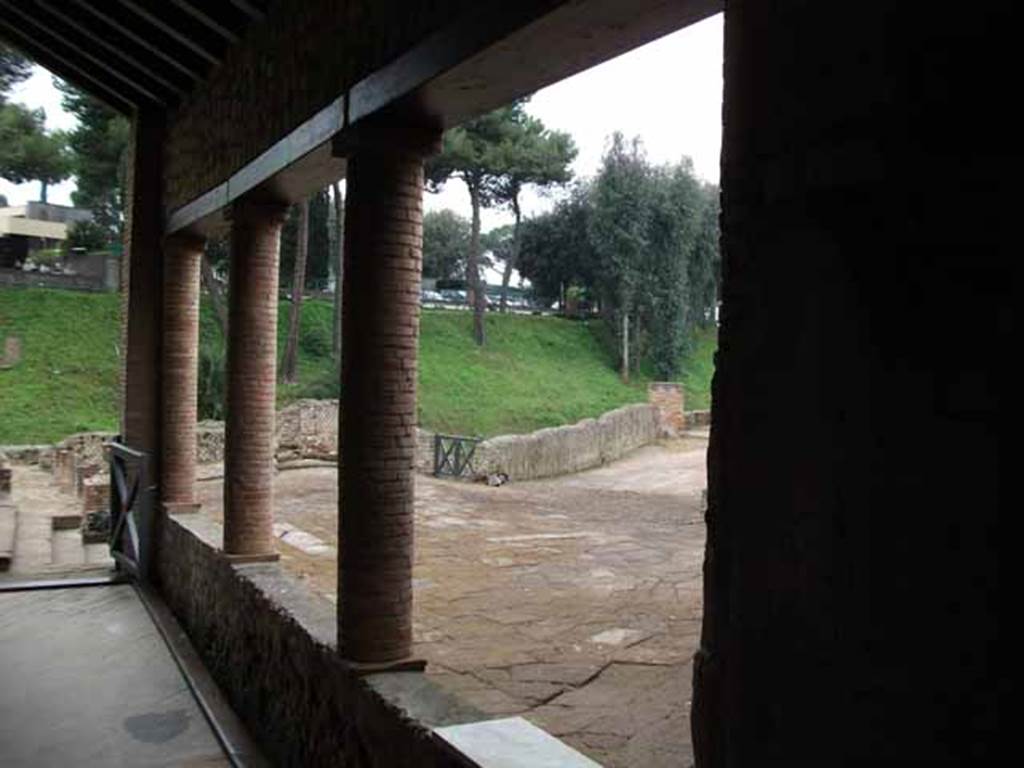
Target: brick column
{"points": [[182, 256], [383, 255], [251, 380]]}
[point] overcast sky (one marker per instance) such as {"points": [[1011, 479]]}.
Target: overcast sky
{"points": [[668, 92]]}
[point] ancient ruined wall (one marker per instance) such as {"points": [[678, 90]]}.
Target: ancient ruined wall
{"points": [[307, 429], [269, 644], [669, 398], [857, 499], [302, 57], [562, 450]]}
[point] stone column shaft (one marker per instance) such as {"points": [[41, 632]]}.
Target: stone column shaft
{"points": [[383, 256], [251, 380], [182, 256]]}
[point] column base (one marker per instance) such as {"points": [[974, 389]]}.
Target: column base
{"points": [[181, 508], [268, 557], [362, 668]]}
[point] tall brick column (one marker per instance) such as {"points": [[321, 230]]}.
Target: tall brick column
{"points": [[251, 380], [383, 255], [182, 255]]}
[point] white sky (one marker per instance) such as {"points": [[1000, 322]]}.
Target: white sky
{"points": [[669, 92]]}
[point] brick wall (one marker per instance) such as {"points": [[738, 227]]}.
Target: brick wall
{"points": [[310, 52], [668, 398]]}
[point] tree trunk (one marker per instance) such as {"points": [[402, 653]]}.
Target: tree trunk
{"points": [[216, 295], [625, 347], [513, 257], [339, 269], [42, 191], [290, 367], [476, 285]]}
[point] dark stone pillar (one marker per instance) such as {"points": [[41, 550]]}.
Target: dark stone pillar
{"points": [[141, 288], [857, 492], [383, 255], [251, 380]]}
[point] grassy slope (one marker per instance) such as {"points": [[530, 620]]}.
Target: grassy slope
{"points": [[534, 372], [67, 379]]}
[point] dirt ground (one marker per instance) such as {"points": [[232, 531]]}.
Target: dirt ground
{"points": [[574, 602]]}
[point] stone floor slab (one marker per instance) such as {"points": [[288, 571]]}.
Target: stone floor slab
{"points": [[86, 680]]}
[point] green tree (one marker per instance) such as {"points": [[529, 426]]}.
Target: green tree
{"points": [[472, 152], [446, 239], [337, 224], [28, 152], [290, 365], [555, 251], [618, 230], [14, 68], [318, 254], [86, 236], [98, 145], [676, 206], [529, 154], [642, 241], [705, 263]]}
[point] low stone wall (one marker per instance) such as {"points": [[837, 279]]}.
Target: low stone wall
{"points": [[307, 429], [29, 454], [5, 474], [270, 645], [424, 451], [698, 419], [209, 442], [20, 279], [563, 450]]}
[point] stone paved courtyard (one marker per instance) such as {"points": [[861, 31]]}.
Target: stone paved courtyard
{"points": [[575, 602]]}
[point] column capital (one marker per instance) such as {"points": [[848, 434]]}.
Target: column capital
{"points": [[184, 241], [247, 209], [389, 134]]}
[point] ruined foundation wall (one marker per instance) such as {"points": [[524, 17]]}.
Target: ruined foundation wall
{"points": [[563, 450], [269, 644]]}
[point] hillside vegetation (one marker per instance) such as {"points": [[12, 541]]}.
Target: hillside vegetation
{"points": [[535, 371]]}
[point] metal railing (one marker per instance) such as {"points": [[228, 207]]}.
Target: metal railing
{"points": [[453, 455], [130, 509]]}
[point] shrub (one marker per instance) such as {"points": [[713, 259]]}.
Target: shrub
{"points": [[211, 382]]}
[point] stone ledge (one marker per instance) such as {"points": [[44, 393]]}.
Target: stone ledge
{"points": [[269, 641]]}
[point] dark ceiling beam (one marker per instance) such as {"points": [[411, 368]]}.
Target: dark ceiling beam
{"points": [[249, 9], [64, 69], [119, 45], [57, 40], [118, 23], [207, 20], [210, 54]]}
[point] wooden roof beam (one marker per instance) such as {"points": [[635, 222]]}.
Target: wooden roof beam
{"points": [[135, 56], [64, 69], [120, 24], [159, 20], [50, 36], [207, 20]]}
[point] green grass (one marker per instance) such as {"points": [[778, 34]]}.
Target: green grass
{"points": [[534, 372], [67, 379]]}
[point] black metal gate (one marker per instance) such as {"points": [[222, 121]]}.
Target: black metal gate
{"points": [[453, 455], [130, 513]]}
